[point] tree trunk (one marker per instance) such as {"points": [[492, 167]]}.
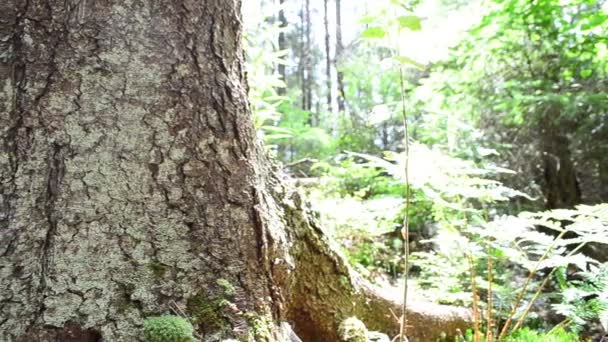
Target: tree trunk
{"points": [[131, 183], [327, 57], [309, 67], [307, 60], [560, 186], [337, 60], [303, 56], [603, 176], [282, 45]]}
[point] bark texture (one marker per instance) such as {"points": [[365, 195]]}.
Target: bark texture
{"points": [[130, 177], [131, 184]]}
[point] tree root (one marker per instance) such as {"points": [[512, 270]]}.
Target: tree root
{"points": [[322, 291]]}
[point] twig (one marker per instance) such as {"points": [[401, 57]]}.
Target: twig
{"points": [[489, 329], [520, 295], [475, 303], [406, 230], [540, 288]]}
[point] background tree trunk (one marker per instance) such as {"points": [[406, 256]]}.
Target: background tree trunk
{"points": [[560, 186], [131, 182], [303, 56], [327, 56], [308, 65], [337, 59], [282, 45]]}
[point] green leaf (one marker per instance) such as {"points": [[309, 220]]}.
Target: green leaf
{"points": [[409, 62], [594, 21], [368, 19], [374, 32], [586, 73], [411, 22]]}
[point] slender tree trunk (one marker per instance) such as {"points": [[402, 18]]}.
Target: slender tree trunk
{"points": [[327, 57], [131, 183], [308, 67], [338, 58], [602, 165], [282, 44], [303, 55]]}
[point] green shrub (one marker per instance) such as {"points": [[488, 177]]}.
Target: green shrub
{"points": [[528, 335], [168, 329]]}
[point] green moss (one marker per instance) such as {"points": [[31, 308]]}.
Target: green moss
{"points": [[229, 290], [352, 330], [168, 329], [159, 270], [207, 312], [208, 309], [344, 281], [260, 327]]}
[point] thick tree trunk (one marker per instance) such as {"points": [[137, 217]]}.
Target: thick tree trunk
{"points": [[131, 182], [130, 175]]}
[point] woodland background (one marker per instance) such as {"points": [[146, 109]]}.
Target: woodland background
{"points": [[506, 108]]}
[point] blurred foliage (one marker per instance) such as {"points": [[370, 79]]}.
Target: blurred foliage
{"points": [[485, 123], [528, 335]]}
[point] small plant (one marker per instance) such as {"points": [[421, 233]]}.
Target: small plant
{"points": [[228, 289], [168, 328], [529, 335]]}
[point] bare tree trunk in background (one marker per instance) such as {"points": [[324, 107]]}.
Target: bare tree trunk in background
{"points": [[282, 45], [327, 57], [560, 186], [338, 58], [303, 55], [603, 175], [308, 64], [131, 181]]}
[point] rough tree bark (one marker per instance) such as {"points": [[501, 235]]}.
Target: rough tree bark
{"points": [[131, 181]]}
